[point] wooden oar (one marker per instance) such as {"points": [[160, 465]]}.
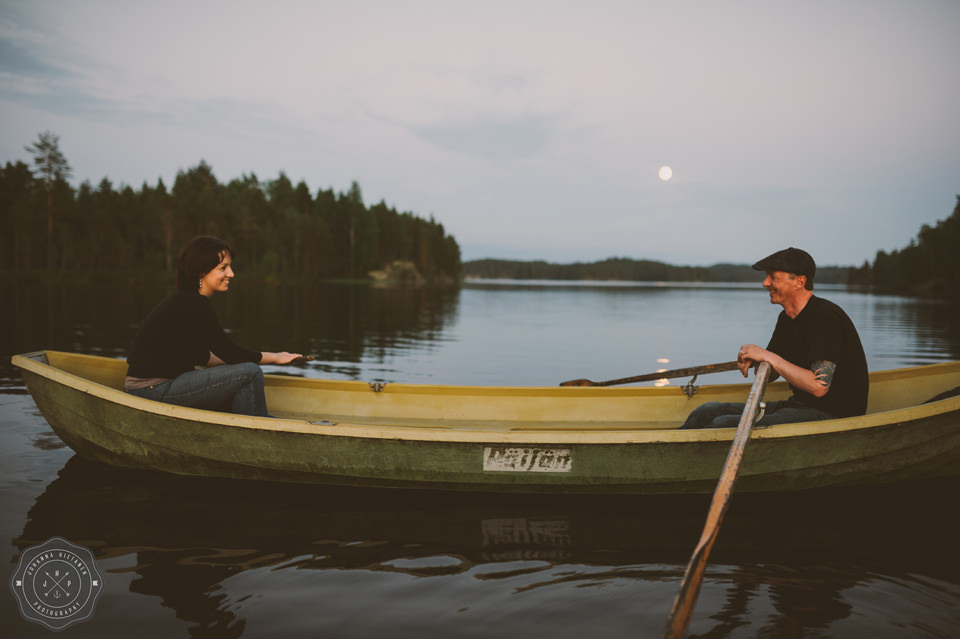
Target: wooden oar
{"points": [[649, 377], [690, 587]]}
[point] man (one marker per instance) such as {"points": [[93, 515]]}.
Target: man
{"points": [[815, 348]]}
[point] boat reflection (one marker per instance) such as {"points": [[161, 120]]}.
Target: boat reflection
{"points": [[187, 535], [242, 524]]}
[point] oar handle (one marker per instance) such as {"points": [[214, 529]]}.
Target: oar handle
{"points": [[690, 587], [649, 377]]}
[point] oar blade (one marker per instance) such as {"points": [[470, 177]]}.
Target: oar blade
{"points": [[578, 382]]}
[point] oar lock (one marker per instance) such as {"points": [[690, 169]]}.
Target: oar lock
{"points": [[689, 389], [377, 387], [762, 407]]}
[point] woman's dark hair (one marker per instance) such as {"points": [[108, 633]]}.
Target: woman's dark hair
{"points": [[201, 255]]}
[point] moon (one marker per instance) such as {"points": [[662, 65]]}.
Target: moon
{"points": [[665, 173]]}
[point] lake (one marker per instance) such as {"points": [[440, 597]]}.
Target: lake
{"points": [[194, 557]]}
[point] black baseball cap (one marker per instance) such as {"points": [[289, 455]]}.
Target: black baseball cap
{"points": [[789, 260]]}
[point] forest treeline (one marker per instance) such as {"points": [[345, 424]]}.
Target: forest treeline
{"points": [[929, 265], [626, 269], [278, 228]]}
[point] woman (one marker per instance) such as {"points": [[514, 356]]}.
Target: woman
{"points": [[182, 333]]}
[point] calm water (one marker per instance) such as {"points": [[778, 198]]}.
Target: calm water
{"points": [[215, 558]]}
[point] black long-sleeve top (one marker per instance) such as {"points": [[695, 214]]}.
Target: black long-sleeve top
{"points": [[178, 335]]}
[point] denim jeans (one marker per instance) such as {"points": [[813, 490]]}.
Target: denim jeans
{"points": [[727, 414], [234, 388]]}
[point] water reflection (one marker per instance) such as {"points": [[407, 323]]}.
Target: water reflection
{"points": [[912, 332], [483, 333], [341, 324], [796, 554], [805, 598]]}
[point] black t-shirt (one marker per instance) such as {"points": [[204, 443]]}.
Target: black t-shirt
{"points": [[823, 331], [179, 334]]}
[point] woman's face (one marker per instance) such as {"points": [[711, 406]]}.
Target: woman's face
{"points": [[217, 280]]}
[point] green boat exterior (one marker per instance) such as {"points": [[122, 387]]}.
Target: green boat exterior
{"points": [[485, 438]]}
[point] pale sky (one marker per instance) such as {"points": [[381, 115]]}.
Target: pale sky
{"points": [[530, 130]]}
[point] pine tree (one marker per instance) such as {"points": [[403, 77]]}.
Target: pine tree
{"points": [[54, 171]]}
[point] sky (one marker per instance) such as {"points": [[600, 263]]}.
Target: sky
{"points": [[530, 130]]}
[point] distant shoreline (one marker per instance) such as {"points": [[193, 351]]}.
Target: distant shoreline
{"points": [[630, 270]]}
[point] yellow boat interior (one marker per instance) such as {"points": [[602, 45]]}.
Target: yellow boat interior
{"points": [[514, 408]]}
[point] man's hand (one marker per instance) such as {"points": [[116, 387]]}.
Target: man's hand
{"points": [[749, 357]]}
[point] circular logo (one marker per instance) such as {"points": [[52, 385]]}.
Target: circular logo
{"points": [[56, 583]]}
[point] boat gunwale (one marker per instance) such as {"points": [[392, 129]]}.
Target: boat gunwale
{"points": [[539, 436]]}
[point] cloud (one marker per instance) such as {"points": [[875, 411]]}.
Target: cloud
{"points": [[19, 62], [34, 74], [490, 137]]}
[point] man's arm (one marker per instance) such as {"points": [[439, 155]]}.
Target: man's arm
{"points": [[815, 380]]}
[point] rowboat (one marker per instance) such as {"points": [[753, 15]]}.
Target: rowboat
{"points": [[488, 438]]}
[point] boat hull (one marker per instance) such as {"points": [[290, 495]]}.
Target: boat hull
{"points": [[102, 423]]}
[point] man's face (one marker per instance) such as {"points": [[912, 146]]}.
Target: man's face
{"points": [[782, 286]]}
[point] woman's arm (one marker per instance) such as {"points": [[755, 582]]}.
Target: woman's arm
{"points": [[265, 358], [210, 332], [214, 361]]}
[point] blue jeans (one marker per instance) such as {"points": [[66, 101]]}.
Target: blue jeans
{"points": [[727, 414], [233, 388]]}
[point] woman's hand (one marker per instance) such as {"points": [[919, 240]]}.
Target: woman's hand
{"points": [[278, 358]]}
